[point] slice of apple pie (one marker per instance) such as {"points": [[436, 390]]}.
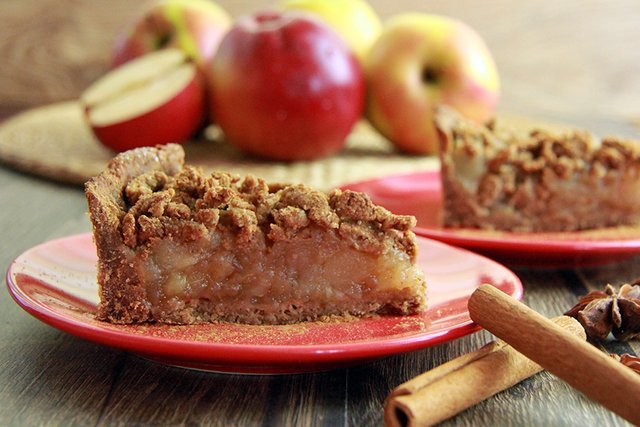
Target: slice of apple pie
{"points": [[177, 246], [539, 180]]}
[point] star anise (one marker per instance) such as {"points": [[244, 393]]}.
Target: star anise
{"points": [[603, 312], [628, 360]]}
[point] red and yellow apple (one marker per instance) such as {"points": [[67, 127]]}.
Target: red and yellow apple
{"points": [[421, 61], [285, 86], [355, 20], [195, 26], [154, 99]]}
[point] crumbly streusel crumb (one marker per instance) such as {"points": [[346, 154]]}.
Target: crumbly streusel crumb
{"points": [[156, 203], [539, 149]]}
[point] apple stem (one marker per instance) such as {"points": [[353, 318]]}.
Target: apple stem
{"points": [[429, 75], [163, 41]]}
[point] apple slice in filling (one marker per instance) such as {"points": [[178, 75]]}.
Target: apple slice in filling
{"points": [[316, 272]]}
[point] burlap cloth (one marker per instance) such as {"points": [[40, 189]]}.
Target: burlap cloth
{"points": [[54, 142]]}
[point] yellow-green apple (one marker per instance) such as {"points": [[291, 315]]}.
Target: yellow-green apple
{"points": [[419, 62], [195, 26], [285, 86], [154, 99], [355, 20]]}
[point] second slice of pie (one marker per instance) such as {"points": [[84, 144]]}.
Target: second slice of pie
{"points": [[537, 181]]}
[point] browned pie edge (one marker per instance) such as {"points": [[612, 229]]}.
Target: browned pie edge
{"points": [[106, 209]]}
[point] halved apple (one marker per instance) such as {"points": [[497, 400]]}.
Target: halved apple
{"points": [[154, 99]]}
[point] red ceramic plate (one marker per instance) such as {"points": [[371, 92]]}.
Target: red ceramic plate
{"points": [[419, 194], [56, 282]]}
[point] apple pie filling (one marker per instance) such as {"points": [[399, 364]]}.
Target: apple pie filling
{"points": [[272, 282]]}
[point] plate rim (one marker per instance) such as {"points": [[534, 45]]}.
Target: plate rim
{"points": [[275, 355]]}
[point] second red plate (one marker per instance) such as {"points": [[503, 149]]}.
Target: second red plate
{"points": [[419, 194]]}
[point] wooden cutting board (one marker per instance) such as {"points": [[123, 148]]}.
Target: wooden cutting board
{"points": [[55, 143]]}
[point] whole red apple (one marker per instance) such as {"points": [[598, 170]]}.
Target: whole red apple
{"points": [[195, 26], [285, 86], [421, 61]]}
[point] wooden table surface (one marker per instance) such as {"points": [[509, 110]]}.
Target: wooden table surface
{"points": [[575, 61]]}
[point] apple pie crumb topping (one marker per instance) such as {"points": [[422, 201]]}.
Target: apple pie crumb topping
{"points": [[189, 205], [539, 149]]}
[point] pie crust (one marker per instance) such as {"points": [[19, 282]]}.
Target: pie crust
{"points": [[540, 180], [177, 246]]}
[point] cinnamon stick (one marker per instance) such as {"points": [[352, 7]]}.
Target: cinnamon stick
{"points": [[450, 388], [580, 364]]}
